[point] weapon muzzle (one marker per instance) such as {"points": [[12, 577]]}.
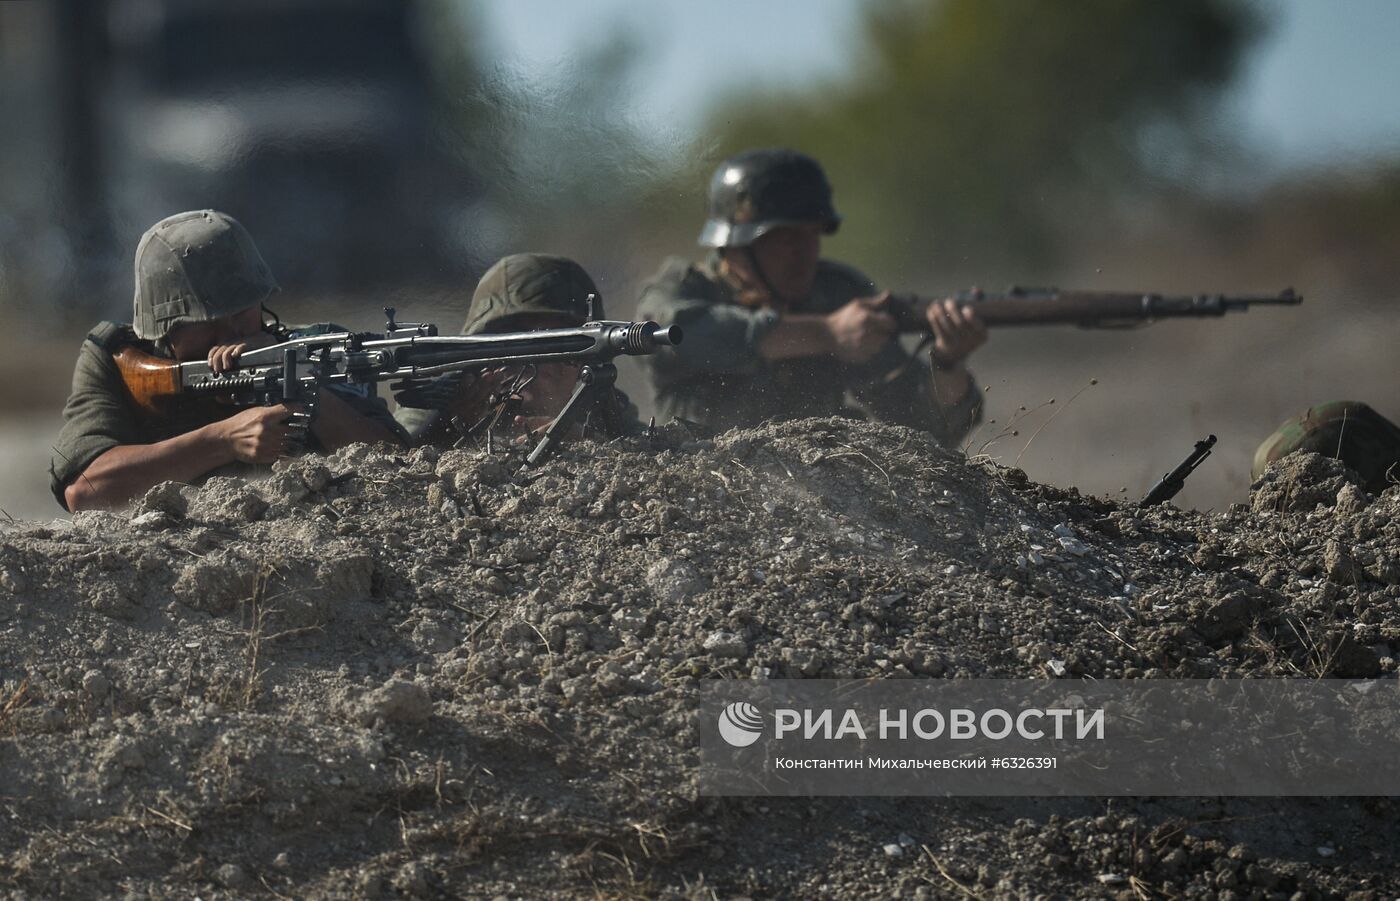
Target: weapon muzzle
{"points": [[645, 337], [668, 336]]}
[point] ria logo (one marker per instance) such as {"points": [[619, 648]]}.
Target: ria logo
{"points": [[740, 724]]}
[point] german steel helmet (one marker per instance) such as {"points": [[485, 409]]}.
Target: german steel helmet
{"points": [[1350, 431], [529, 284], [757, 191], [193, 267]]}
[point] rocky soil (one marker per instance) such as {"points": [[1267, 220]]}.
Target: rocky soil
{"points": [[421, 674]]}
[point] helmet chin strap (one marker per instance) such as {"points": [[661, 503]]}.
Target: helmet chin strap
{"points": [[764, 282], [275, 327]]}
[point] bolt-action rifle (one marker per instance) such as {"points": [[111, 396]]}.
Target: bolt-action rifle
{"points": [[410, 355], [1087, 309]]}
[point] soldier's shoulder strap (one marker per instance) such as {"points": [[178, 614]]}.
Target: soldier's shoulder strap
{"points": [[112, 336], [311, 330]]}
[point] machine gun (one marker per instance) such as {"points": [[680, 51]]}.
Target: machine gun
{"points": [[1087, 309], [410, 355]]}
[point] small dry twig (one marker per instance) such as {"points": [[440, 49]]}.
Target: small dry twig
{"points": [[943, 871], [178, 824], [11, 705], [1051, 418]]}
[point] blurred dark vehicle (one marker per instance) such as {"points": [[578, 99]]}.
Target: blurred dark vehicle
{"points": [[311, 121]]}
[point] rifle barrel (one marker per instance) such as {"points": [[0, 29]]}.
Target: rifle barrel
{"points": [[1171, 484], [1088, 309]]}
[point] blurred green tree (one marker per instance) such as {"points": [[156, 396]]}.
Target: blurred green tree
{"points": [[977, 133], [560, 162]]}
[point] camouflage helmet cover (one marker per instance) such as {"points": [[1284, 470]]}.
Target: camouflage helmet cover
{"points": [[527, 285], [193, 267], [1350, 431], [760, 190]]}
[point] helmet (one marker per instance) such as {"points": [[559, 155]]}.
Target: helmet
{"points": [[529, 284], [760, 190], [1352, 432], [193, 267]]}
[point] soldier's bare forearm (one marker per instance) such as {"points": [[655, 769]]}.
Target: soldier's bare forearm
{"points": [[950, 386], [122, 473]]}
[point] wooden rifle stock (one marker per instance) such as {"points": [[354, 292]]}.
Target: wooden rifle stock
{"points": [[149, 380]]}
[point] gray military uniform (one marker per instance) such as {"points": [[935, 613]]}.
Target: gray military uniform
{"points": [[720, 380]]}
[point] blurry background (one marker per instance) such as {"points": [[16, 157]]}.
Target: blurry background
{"points": [[385, 152]]}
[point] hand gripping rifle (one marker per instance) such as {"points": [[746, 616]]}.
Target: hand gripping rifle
{"points": [[410, 355], [1087, 309]]}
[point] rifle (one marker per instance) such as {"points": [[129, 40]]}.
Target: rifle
{"points": [[411, 355], [1171, 484], [1087, 309]]}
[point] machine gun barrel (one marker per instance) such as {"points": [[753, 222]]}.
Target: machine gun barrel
{"points": [[346, 357], [413, 356]]}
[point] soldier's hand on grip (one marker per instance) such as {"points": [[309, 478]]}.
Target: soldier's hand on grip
{"points": [[259, 434], [859, 329], [957, 332]]}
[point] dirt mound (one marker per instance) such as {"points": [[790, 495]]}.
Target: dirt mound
{"points": [[422, 673]]}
